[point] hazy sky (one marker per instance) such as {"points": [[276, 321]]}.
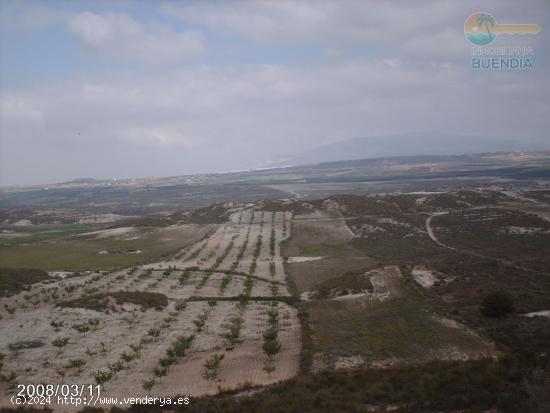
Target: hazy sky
{"points": [[132, 89]]}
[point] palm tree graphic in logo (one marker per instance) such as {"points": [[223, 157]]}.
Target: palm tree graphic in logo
{"points": [[481, 28], [488, 21], [478, 28]]}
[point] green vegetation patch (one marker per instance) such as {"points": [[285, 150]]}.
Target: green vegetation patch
{"points": [[322, 238], [312, 274], [243, 298], [317, 238], [26, 235], [402, 328], [87, 253], [102, 302]]}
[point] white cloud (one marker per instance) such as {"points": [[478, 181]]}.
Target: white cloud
{"points": [[120, 36], [423, 29], [323, 21], [16, 109], [19, 119], [447, 44]]}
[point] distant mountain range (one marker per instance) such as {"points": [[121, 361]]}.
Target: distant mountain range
{"points": [[428, 143]]}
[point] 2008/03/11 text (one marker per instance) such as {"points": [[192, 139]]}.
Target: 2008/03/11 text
{"points": [[81, 395]]}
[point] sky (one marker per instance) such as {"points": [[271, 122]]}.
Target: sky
{"points": [[120, 89]]}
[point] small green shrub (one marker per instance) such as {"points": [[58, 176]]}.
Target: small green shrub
{"points": [[101, 377], [75, 363], [60, 342], [212, 366]]}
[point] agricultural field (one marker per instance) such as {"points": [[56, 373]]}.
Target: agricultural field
{"points": [[25, 235], [213, 316], [102, 249]]}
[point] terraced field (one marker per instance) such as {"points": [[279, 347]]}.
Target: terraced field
{"points": [[213, 316]]}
